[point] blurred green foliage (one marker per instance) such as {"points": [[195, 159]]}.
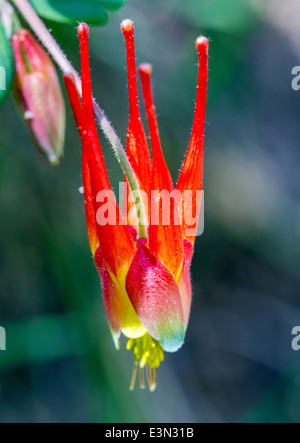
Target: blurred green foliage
{"points": [[71, 11], [237, 364], [6, 63]]}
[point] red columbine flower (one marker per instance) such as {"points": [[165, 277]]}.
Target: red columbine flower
{"points": [[38, 94], [145, 274]]}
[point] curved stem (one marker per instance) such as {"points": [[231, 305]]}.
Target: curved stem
{"points": [[45, 37], [125, 165]]}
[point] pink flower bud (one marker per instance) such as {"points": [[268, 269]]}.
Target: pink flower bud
{"points": [[38, 95]]}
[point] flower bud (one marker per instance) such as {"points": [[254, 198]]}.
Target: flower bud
{"points": [[38, 95]]}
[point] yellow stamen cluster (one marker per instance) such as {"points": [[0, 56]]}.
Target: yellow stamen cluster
{"points": [[147, 352]]}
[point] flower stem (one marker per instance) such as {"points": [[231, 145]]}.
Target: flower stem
{"points": [[45, 37]]}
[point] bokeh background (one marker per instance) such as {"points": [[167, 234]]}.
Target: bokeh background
{"points": [[237, 364]]}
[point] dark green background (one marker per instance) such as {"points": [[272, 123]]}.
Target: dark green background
{"points": [[237, 363]]}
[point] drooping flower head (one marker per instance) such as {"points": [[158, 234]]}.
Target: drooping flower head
{"points": [[144, 266], [38, 95]]}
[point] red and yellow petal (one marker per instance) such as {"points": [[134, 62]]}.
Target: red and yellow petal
{"points": [[119, 310], [191, 176], [155, 297], [117, 245], [165, 233], [89, 206], [137, 146], [184, 283], [112, 299]]}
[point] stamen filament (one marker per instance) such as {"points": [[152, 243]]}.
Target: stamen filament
{"points": [[147, 352], [148, 372], [133, 378], [142, 378], [152, 377]]}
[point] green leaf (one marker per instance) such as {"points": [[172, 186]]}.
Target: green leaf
{"points": [[6, 65], [93, 12], [225, 15]]}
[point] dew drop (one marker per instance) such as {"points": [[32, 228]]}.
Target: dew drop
{"points": [[28, 115]]}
